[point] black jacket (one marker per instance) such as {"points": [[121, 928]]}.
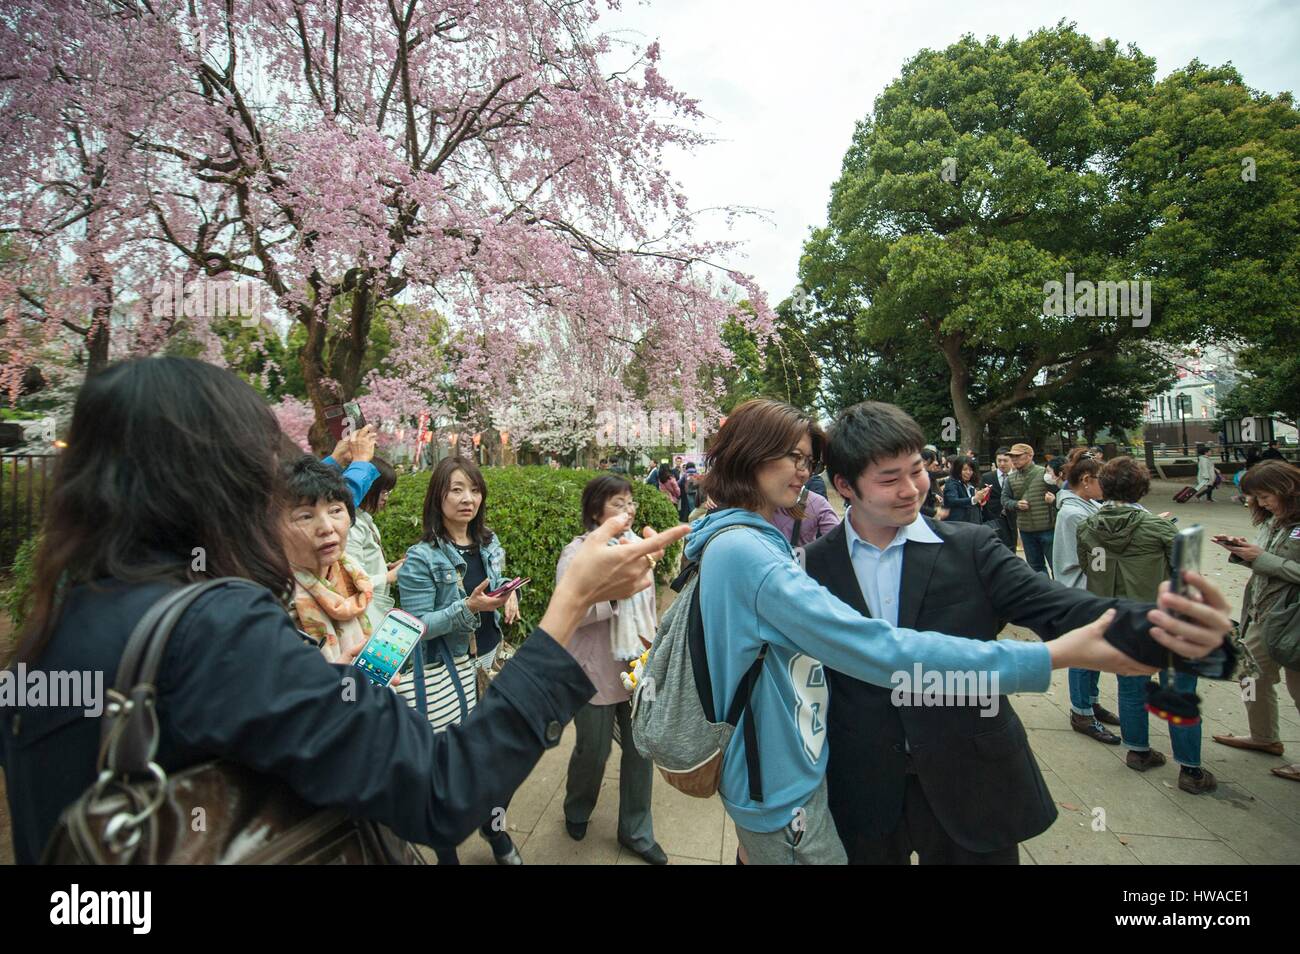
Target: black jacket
{"points": [[238, 682], [977, 772], [1003, 523]]}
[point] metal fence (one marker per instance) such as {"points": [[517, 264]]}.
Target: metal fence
{"points": [[25, 480]]}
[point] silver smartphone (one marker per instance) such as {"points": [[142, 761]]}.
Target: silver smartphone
{"points": [[1186, 556]]}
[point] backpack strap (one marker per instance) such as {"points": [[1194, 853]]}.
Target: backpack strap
{"points": [[704, 683], [794, 532]]}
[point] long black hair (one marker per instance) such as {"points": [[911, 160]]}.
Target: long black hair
{"points": [[167, 459], [435, 528]]}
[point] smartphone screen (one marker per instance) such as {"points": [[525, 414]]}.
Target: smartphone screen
{"points": [[1186, 556], [389, 647]]}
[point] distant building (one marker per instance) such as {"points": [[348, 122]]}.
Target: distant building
{"points": [[1204, 382]]}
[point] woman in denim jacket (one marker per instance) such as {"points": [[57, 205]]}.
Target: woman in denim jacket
{"points": [[445, 581]]}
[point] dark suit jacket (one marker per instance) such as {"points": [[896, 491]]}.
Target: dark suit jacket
{"points": [[1003, 524], [978, 773]]}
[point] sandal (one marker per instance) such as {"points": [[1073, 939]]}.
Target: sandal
{"points": [[1288, 771]]}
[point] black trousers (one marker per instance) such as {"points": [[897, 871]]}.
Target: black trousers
{"points": [[918, 830]]}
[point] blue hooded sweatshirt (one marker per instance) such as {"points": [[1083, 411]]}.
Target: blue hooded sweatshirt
{"points": [[752, 591]]}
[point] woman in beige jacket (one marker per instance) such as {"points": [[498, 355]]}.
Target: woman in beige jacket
{"points": [[611, 636], [1273, 488]]}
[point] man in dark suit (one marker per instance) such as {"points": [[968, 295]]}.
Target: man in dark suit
{"points": [[1003, 524], [956, 783]]}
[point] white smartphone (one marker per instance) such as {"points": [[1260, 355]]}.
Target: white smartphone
{"points": [[389, 647]]}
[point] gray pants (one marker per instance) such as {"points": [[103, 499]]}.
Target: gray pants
{"points": [[810, 839], [595, 735]]}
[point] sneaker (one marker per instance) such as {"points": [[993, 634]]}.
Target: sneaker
{"points": [[1141, 761], [577, 830], [1196, 781], [1104, 716], [1093, 729]]}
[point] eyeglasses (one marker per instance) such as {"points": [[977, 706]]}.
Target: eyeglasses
{"points": [[804, 462], [629, 507]]}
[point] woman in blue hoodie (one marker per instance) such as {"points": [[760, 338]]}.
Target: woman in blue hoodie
{"points": [[754, 594]]}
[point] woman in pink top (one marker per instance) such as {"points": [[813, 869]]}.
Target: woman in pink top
{"points": [[610, 637]]}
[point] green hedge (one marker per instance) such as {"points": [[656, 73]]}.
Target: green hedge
{"points": [[535, 512], [20, 583]]}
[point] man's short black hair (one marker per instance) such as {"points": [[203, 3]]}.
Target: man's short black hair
{"points": [[1002, 450], [866, 433]]}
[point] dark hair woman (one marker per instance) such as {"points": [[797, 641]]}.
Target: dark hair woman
{"points": [[768, 623], [962, 495], [445, 580], [170, 476], [365, 544], [1273, 488], [611, 636]]}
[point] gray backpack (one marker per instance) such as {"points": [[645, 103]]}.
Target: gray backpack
{"points": [[673, 719]]}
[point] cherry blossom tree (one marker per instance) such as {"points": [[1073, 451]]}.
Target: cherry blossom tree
{"points": [[500, 161]]}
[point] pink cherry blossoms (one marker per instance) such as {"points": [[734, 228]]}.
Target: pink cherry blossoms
{"points": [[499, 163]]}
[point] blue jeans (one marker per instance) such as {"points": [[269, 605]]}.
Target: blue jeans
{"points": [[1038, 548], [1185, 739], [1083, 690]]}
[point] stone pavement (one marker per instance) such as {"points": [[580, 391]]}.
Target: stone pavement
{"points": [[1253, 817]]}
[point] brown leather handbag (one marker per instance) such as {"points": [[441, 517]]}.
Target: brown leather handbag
{"points": [[213, 813]]}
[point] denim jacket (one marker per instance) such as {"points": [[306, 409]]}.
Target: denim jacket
{"points": [[430, 586]]}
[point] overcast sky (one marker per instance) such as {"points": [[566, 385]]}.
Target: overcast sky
{"points": [[783, 83]]}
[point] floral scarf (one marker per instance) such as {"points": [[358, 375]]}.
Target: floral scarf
{"points": [[333, 610]]}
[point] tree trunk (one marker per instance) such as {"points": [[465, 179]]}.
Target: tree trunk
{"points": [[970, 422], [332, 365], [99, 333]]}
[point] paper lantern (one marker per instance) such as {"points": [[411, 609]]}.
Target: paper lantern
{"points": [[505, 438], [477, 439], [452, 438]]}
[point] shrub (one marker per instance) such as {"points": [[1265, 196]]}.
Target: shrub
{"points": [[20, 583], [535, 512]]}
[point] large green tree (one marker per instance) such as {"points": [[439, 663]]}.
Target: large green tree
{"points": [[990, 169]]}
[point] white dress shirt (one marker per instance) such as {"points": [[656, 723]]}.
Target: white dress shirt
{"points": [[880, 572]]}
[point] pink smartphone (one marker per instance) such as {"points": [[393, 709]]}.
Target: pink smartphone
{"points": [[509, 587]]}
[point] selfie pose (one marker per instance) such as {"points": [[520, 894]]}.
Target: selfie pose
{"points": [[954, 783], [755, 599], [445, 583]]}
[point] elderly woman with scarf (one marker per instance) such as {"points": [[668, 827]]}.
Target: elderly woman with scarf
{"points": [[331, 592], [611, 636]]}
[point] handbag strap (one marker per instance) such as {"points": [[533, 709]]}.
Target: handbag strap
{"points": [[444, 653], [129, 737]]}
